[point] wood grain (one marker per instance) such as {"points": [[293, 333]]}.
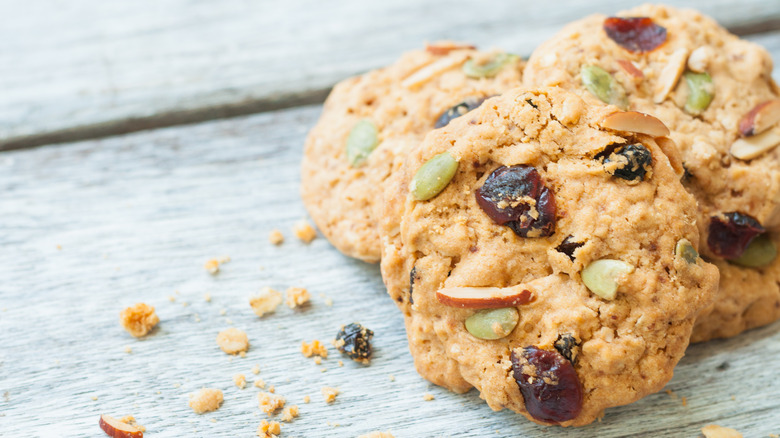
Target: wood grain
{"points": [[84, 69], [137, 216]]}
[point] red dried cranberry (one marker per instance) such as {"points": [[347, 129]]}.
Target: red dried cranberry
{"points": [[729, 238], [550, 387], [635, 34], [516, 196], [458, 110]]}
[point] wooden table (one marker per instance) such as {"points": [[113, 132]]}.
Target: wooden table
{"points": [[104, 221]]}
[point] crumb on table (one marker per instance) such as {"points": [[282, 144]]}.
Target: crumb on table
{"points": [[276, 237], [233, 341], [428, 397], [269, 429], [206, 400], [377, 434], [306, 399], [256, 369], [715, 431], [329, 394], [289, 412], [240, 381], [138, 320], [270, 403], [305, 232], [260, 383], [266, 301], [297, 296], [315, 347]]}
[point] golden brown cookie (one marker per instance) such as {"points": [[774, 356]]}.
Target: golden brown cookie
{"points": [[715, 93], [370, 120], [545, 258]]}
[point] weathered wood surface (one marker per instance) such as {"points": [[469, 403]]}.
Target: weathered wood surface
{"points": [[137, 216], [85, 68]]}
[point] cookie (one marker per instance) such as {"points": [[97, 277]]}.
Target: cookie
{"points": [[545, 257], [369, 121], [715, 93]]}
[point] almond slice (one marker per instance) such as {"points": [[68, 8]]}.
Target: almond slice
{"points": [[434, 69], [630, 69], [752, 147], [762, 117], [445, 47], [117, 429], [670, 74], [632, 121], [484, 297], [672, 152]]}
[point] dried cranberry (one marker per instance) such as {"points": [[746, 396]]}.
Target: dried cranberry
{"points": [[413, 276], [458, 110], [354, 340], [567, 345], [729, 238], [550, 387], [568, 246], [635, 34], [516, 196], [632, 162]]}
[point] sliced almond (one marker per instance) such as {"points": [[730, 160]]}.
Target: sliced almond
{"points": [[631, 69], [751, 147], [762, 117], [632, 121], [484, 297], [700, 58], [433, 69], [117, 429], [445, 47], [670, 74], [669, 148]]}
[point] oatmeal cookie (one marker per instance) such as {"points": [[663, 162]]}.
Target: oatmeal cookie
{"points": [[369, 121], [544, 251], [715, 93]]}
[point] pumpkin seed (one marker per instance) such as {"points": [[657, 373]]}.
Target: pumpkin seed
{"points": [[433, 176], [492, 323], [489, 69], [759, 253], [362, 140], [685, 250], [602, 277], [602, 85], [700, 92]]}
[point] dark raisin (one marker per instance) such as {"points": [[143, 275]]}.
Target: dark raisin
{"points": [[517, 197], [354, 340], [458, 110], [531, 102], [630, 162], [728, 238], [568, 347], [412, 278], [568, 246], [550, 387], [635, 34]]}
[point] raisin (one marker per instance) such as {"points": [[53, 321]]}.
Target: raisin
{"points": [[630, 162], [568, 347], [568, 246], [550, 387], [412, 278], [517, 197], [458, 110], [730, 237], [354, 340], [635, 34]]}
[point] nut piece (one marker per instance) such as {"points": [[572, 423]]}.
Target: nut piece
{"points": [[760, 252], [484, 297], [715, 431], [233, 341], [475, 69], [362, 140], [329, 394], [633, 121], [206, 400], [630, 69], [700, 58], [433, 176], [433, 69], [751, 147], [700, 92], [670, 74], [266, 302], [118, 429], [685, 249], [138, 320], [603, 277], [440, 48], [297, 296], [492, 324], [602, 85], [762, 117]]}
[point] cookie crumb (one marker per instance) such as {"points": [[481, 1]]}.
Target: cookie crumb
{"points": [[233, 341], [212, 267], [329, 394], [270, 403], [306, 399], [171, 298], [256, 369], [377, 434], [206, 400], [289, 412], [297, 296], [314, 348], [305, 232], [240, 381], [94, 398], [715, 431], [128, 350], [392, 378], [318, 360], [266, 301], [684, 401], [268, 429], [129, 419], [341, 363], [207, 297], [260, 383], [428, 397], [138, 320], [276, 237]]}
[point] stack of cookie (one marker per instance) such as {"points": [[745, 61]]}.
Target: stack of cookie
{"points": [[557, 231]]}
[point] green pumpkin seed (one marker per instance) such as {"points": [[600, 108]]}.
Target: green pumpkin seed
{"points": [[492, 323], [489, 69], [602, 277], [362, 140], [700, 92], [602, 85], [685, 250], [759, 253], [433, 176]]}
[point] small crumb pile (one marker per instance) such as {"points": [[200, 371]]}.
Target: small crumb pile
{"points": [[314, 348], [206, 400], [268, 429], [297, 296], [266, 301], [138, 320], [715, 431], [212, 266], [240, 381], [260, 383], [428, 397], [289, 412], [276, 237], [304, 231], [233, 341], [329, 394], [378, 434], [270, 403]]}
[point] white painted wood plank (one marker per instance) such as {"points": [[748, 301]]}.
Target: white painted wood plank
{"points": [[83, 62], [137, 216]]}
